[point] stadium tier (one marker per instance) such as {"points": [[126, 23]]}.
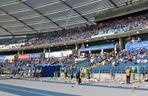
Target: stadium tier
{"points": [[100, 62], [126, 24]]}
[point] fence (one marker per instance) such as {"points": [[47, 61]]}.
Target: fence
{"points": [[117, 73]]}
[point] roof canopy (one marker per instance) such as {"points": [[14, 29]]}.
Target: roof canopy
{"points": [[37, 16]]}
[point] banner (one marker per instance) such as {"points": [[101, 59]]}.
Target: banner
{"points": [[137, 45], [35, 55], [24, 56], [101, 34], [58, 54]]}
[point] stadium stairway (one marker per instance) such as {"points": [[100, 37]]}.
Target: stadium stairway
{"points": [[102, 62]]}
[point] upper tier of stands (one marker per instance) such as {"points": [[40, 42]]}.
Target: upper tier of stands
{"points": [[125, 24]]}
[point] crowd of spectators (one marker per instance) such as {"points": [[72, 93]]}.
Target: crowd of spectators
{"points": [[125, 24], [98, 57], [138, 56], [133, 56], [119, 25], [21, 66], [122, 57]]}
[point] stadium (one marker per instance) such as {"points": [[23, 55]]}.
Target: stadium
{"points": [[73, 47]]}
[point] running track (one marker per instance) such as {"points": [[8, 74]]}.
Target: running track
{"points": [[36, 88]]}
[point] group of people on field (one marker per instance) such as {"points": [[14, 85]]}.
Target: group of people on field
{"points": [[73, 74]]}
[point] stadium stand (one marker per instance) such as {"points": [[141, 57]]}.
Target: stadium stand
{"points": [[126, 24], [99, 47]]}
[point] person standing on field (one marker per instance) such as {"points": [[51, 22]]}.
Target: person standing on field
{"points": [[128, 75]]}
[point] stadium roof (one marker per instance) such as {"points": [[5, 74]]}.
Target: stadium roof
{"points": [[37, 16]]}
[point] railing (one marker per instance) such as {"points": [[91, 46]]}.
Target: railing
{"points": [[79, 65], [119, 69], [84, 63], [139, 73]]}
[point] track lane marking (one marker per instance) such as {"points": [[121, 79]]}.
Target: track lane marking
{"points": [[42, 94]]}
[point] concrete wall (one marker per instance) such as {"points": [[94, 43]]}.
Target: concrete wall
{"points": [[118, 77]]}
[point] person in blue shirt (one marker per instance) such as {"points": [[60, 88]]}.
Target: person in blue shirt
{"points": [[78, 78]]}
